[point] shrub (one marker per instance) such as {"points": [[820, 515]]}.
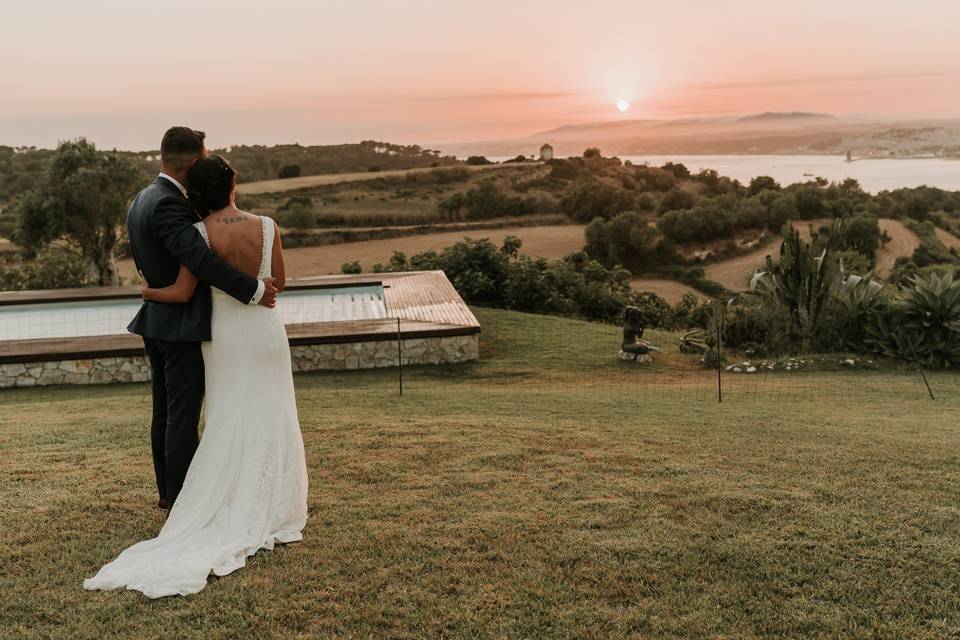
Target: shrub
{"points": [[486, 201], [675, 199], [646, 202], [289, 171], [55, 267], [595, 199], [561, 169], [351, 268], [499, 277], [750, 213], [627, 240], [859, 233], [853, 262], [781, 210], [654, 310], [706, 221], [924, 325], [754, 325], [931, 249], [677, 170], [477, 160], [810, 203], [763, 183], [296, 217]]}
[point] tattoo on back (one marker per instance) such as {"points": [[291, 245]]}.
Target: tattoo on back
{"points": [[230, 220]]}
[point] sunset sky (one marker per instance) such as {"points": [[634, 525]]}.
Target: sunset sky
{"points": [[437, 71]]}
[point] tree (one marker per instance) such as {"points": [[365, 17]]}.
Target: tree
{"points": [[289, 171], [82, 200], [626, 240], [591, 152], [596, 199], [763, 183], [351, 268], [860, 233], [678, 170], [451, 206], [810, 203], [676, 198]]}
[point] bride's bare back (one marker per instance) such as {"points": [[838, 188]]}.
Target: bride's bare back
{"points": [[237, 237]]}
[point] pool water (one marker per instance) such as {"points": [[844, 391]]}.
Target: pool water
{"points": [[111, 317]]}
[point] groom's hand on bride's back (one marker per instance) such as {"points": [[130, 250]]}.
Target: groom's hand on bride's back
{"points": [[269, 298]]}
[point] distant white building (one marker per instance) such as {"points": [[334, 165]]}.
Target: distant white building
{"points": [[546, 152]]}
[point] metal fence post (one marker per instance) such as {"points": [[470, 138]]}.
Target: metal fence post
{"points": [[719, 361], [916, 361], [399, 357]]}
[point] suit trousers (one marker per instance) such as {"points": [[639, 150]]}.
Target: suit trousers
{"points": [[178, 389]]}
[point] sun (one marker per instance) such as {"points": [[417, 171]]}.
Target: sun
{"points": [[623, 104]]}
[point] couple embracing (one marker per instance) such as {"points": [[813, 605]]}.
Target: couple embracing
{"points": [[210, 327]]}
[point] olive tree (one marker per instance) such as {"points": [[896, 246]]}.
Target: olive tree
{"points": [[81, 200]]}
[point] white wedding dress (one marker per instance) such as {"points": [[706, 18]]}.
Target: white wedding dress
{"points": [[246, 488]]}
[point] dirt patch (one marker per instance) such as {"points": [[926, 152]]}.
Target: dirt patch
{"points": [[735, 273], [902, 242], [670, 290]]}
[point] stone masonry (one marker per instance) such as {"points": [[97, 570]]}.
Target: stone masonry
{"points": [[313, 357]]}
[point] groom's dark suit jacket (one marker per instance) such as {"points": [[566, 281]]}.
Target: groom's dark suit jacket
{"points": [[162, 237]]}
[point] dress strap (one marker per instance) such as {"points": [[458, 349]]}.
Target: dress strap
{"points": [[202, 228], [266, 226]]}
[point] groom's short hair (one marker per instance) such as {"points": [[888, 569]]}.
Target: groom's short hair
{"points": [[181, 146]]}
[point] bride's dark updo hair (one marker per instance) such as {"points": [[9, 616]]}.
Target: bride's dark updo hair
{"points": [[211, 181]]}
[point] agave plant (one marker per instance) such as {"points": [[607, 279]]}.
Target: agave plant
{"points": [[859, 300], [801, 281], [924, 325], [932, 314]]}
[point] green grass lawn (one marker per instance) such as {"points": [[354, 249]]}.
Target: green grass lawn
{"points": [[523, 497]]}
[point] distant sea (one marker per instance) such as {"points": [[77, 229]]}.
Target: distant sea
{"points": [[874, 175]]}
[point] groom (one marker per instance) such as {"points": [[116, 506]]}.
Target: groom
{"points": [[162, 237]]}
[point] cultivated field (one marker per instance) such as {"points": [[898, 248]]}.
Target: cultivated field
{"points": [[949, 240], [307, 182], [488, 505]]}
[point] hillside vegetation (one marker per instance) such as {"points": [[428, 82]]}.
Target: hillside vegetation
{"points": [[699, 230]]}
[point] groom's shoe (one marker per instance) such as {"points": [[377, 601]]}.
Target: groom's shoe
{"points": [[162, 503]]}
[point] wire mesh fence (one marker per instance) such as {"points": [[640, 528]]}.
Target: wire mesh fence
{"points": [[79, 342], [519, 350]]}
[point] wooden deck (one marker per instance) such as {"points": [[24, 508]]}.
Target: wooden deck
{"points": [[425, 302]]}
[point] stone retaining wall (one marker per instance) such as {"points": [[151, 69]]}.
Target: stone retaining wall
{"points": [[312, 357]]}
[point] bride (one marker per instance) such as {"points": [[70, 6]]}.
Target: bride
{"points": [[247, 485]]}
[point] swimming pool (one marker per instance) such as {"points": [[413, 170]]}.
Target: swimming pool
{"points": [[79, 336], [74, 319]]}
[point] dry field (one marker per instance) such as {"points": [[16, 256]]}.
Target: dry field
{"points": [[903, 242], [734, 274], [670, 290], [949, 240], [549, 242]]}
